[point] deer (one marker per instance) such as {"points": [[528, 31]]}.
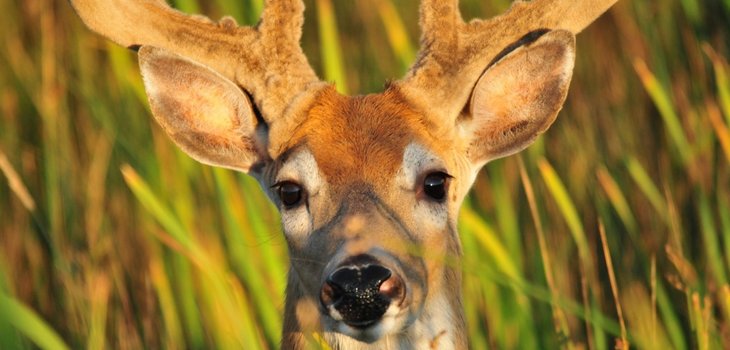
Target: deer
{"points": [[368, 187]]}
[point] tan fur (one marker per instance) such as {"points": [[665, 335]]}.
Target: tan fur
{"points": [[519, 97], [205, 114], [477, 92]]}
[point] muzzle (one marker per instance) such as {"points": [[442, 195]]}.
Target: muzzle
{"points": [[360, 291]]}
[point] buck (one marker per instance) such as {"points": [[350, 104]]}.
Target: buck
{"points": [[369, 187]]}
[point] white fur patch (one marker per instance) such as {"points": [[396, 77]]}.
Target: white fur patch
{"points": [[389, 324], [434, 329], [302, 169], [418, 162]]}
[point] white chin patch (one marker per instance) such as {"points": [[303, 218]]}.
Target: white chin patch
{"points": [[301, 168], [390, 323], [418, 161]]}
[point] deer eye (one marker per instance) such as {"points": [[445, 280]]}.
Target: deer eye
{"points": [[290, 194], [435, 185]]}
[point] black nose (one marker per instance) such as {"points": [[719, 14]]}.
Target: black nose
{"points": [[359, 292]]}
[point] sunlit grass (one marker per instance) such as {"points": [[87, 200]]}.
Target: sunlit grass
{"points": [[113, 238]]}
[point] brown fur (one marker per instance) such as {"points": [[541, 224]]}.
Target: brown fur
{"points": [[362, 135]]}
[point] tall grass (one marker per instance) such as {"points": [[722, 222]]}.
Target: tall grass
{"points": [[112, 238]]}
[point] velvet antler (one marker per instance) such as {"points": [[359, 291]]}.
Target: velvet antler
{"points": [[454, 54], [266, 60]]}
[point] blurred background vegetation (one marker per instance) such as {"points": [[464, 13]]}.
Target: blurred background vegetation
{"points": [[612, 230]]}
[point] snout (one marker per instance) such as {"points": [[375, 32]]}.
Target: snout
{"points": [[360, 291]]}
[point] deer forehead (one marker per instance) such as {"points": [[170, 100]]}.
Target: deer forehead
{"points": [[365, 139]]}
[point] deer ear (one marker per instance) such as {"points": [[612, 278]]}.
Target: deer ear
{"points": [[205, 114], [519, 96]]}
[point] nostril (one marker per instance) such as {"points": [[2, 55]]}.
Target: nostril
{"points": [[330, 294], [393, 288]]}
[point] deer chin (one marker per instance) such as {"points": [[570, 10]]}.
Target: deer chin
{"points": [[436, 326], [393, 322]]}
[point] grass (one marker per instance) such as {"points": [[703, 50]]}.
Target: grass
{"points": [[612, 231]]}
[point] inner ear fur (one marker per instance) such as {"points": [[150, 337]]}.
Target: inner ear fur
{"points": [[519, 96], [205, 114]]}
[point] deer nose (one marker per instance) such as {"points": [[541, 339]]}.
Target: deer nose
{"points": [[361, 294]]}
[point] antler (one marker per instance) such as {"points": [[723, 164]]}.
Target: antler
{"points": [[454, 54], [265, 60]]}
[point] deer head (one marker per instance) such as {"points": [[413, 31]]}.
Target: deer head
{"points": [[369, 187]]}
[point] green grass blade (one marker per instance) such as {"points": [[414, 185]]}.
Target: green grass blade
{"points": [[182, 280], [723, 209], [189, 6], [241, 254], [9, 337], [618, 200], [165, 295], [668, 312], [265, 223], [663, 102], [397, 34], [596, 317], [567, 209], [721, 79], [692, 10], [233, 326], [721, 130], [710, 236], [28, 323], [647, 186], [560, 322], [489, 240], [506, 213], [330, 49], [163, 215]]}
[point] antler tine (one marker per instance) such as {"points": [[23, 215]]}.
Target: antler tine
{"points": [[454, 54], [440, 23], [280, 31], [265, 60], [570, 15], [283, 14]]}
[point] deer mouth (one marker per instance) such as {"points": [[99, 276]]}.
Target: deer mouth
{"points": [[391, 322]]}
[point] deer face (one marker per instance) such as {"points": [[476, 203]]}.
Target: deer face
{"points": [[369, 187], [369, 197]]}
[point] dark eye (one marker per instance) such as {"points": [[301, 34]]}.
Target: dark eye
{"points": [[434, 185], [290, 194]]}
